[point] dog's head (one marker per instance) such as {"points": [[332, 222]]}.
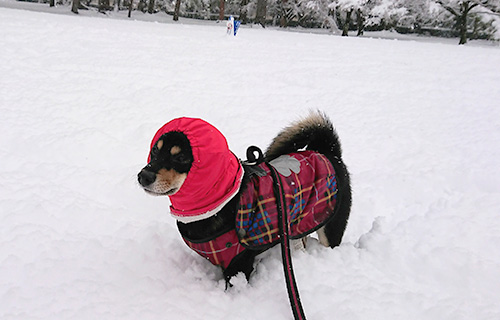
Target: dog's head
{"points": [[170, 160], [190, 162]]}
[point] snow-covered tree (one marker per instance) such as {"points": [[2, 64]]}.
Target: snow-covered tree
{"points": [[345, 9], [318, 13], [462, 11], [470, 18], [415, 14], [385, 14]]}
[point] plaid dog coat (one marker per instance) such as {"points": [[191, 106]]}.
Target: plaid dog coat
{"points": [[310, 189]]}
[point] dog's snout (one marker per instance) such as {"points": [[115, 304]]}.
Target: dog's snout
{"points": [[146, 177]]}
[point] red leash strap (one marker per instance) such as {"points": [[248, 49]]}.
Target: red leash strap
{"points": [[293, 290]]}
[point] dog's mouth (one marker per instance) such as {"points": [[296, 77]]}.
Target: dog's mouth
{"points": [[167, 193]]}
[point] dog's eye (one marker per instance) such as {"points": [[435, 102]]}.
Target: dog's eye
{"points": [[181, 158], [154, 151]]}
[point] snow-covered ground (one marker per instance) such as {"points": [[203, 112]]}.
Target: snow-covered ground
{"points": [[80, 100]]}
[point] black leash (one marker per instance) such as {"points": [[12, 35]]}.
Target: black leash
{"points": [[279, 193], [293, 290]]}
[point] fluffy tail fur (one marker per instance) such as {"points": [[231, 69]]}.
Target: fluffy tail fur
{"points": [[314, 132]]}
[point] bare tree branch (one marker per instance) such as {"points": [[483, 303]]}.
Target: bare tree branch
{"points": [[450, 9]]}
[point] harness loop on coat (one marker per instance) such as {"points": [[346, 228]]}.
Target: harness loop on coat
{"points": [[251, 158]]}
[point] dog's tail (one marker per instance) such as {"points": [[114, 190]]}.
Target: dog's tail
{"points": [[317, 133], [314, 132]]}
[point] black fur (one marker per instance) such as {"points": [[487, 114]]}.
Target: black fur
{"points": [[317, 133], [162, 158], [313, 133]]}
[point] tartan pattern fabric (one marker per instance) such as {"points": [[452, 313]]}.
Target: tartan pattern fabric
{"points": [[310, 194], [220, 250]]}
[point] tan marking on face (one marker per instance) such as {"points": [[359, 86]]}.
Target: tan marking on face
{"points": [[159, 144], [168, 182], [175, 150]]}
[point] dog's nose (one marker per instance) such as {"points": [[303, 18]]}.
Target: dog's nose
{"points": [[146, 177]]}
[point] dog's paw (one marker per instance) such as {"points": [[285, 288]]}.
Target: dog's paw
{"points": [[299, 244], [236, 283]]}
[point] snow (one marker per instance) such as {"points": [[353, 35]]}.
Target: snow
{"points": [[81, 97]]}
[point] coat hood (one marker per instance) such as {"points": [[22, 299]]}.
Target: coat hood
{"points": [[215, 175]]}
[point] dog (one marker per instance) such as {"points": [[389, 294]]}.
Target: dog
{"points": [[216, 198]]}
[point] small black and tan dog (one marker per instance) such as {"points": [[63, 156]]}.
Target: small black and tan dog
{"points": [[212, 192]]}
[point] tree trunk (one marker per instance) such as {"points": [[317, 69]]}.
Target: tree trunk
{"points": [[283, 19], [462, 22], [461, 16], [74, 6], [151, 6], [361, 22], [177, 9], [345, 31], [52, 3], [260, 16], [103, 5], [465, 7], [243, 12], [130, 8], [463, 31], [221, 10]]}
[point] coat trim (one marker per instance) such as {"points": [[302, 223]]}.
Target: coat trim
{"points": [[192, 218]]}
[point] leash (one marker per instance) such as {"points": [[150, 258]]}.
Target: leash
{"points": [[293, 290], [279, 193]]}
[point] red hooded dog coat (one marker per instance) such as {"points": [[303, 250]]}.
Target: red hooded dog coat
{"points": [[215, 176], [307, 177]]}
